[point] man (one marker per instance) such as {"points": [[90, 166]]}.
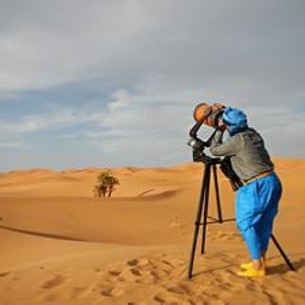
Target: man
{"points": [[257, 200]]}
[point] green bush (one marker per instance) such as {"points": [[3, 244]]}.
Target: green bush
{"points": [[105, 185]]}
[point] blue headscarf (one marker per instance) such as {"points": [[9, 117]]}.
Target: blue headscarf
{"points": [[235, 119]]}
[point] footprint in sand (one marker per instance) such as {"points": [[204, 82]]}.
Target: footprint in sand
{"points": [[179, 289], [226, 235], [53, 282], [78, 292], [114, 273], [121, 274], [165, 298], [187, 289], [132, 271], [133, 262], [135, 271], [113, 291], [155, 270], [169, 298]]}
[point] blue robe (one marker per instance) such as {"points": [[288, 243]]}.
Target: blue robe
{"points": [[256, 206]]}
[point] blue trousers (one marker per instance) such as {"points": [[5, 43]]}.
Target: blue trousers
{"points": [[256, 206]]}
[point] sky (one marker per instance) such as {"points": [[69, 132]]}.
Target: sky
{"points": [[112, 83]]}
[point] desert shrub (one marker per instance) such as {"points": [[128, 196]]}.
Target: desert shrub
{"points": [[105, 185]]}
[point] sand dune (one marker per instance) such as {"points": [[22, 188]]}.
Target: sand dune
{"points": [[60, 245]]}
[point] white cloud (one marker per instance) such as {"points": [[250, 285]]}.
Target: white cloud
{"points": [[148, 118], [215, 44], [17, 144], [38, 122]]}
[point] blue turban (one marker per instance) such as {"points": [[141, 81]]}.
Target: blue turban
{"points": [[235, 119]]}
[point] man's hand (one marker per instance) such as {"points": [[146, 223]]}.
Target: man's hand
{"points": [[221, 125]]}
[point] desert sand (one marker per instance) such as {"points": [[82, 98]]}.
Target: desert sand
{"points": [[60, 245]]}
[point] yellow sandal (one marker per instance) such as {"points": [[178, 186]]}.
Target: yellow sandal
{"points": [[251, 272], [246, 265]]}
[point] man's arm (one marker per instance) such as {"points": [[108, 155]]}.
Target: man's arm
{"points": [[228, 148]]}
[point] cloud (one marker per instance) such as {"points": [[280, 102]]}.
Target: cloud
{"points": [[38, 122], [215, 44], [13, 144]]}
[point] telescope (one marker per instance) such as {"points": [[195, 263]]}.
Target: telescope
{"points": [[210, 115]]}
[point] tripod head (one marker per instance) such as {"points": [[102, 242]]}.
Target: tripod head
{"points": [[199, 145]]}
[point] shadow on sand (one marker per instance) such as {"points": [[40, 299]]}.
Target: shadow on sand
{"points": [[283, 268], [40, 234]]}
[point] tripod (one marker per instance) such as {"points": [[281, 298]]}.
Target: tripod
{"points": [[202, 211]]}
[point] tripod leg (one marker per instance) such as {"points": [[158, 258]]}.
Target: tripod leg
{"points": [[285, 257], [216, 185], [198, 218], [206, 208]]}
